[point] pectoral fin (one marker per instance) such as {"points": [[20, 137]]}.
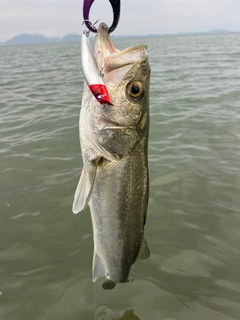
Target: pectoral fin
{"points": [[84, 188], [144, 252]]}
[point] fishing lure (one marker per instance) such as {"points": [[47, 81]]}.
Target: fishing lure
{"points": [[91, 74]]}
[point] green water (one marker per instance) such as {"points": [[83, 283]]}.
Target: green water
{"points": [[193, 224]]}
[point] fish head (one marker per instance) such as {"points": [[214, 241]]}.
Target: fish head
{"points": [[126, 74]]}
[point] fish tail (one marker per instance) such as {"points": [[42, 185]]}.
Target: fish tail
{"points": [[108, 284]]}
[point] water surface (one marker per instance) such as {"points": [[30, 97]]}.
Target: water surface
{"points": [[193, 224]]}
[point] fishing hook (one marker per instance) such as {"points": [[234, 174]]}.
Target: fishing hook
{"points": [[87, 32], [116, 15], [101, 73]]}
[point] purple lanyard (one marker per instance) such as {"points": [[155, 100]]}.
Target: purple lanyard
{"points": [[116, 14]]}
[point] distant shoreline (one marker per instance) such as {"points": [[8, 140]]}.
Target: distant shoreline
{"points": [[26, 38]]}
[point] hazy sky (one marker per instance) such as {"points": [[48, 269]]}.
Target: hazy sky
{"points": [[61, 17]]}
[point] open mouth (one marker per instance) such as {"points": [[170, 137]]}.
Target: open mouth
{"points": [[104, 43], [112, 63]]}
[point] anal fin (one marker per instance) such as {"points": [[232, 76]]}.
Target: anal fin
{"points": [[98, 268], [144, 252]]}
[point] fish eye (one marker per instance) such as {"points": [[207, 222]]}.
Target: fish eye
{"points": [[135, 90]]}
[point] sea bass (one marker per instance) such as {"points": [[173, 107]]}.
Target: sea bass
{"points": [[114, 142]]}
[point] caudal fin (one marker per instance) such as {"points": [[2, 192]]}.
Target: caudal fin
{"points": [[108, 284]]}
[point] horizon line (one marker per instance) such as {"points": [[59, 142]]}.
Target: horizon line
{"points": [[216, 31]]}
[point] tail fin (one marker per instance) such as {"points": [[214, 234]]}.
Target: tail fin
{"points": [[108, 284]]}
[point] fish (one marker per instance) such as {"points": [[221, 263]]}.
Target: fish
{"points": [[114, 181]]}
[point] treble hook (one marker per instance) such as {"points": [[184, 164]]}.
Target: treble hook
{"points": [[116, 14]]}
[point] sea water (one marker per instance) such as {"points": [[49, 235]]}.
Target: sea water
{"points": [[193, 222]]}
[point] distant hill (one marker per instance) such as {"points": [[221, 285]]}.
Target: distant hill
{"points": [[54, 39], [71, 38], [27, 38], [221, 31]]}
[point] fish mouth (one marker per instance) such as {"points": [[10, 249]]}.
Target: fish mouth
{"points": [[113, 63], [104, 43]]}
